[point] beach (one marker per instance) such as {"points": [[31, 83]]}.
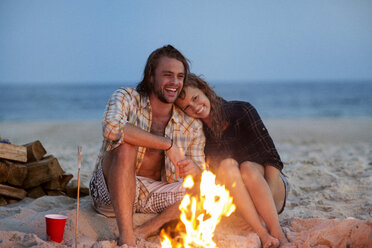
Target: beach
{"points": [[328, 163]]}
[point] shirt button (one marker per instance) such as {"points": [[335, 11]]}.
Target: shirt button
{"points": [[263, 129]]}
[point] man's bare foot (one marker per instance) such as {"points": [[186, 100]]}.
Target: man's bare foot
{"points": [[144, 231], [129, 241]]}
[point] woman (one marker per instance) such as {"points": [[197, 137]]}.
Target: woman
{"points": [[242, 154]]}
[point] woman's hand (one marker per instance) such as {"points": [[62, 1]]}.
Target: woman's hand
{"points": [[175, 154], [183, 166], [187, 167]]}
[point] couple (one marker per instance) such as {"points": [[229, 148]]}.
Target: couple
{"points": [[150, 145]]}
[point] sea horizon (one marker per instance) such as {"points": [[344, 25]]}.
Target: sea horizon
{"points": [[273, 100]]}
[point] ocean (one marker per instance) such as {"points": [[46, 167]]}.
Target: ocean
{"points": [[70, 102]]}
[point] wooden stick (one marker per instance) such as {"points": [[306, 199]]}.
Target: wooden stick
{"points": [[78, 196]]}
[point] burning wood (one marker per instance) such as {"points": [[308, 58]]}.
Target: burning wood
{"points": [[200, 215]]}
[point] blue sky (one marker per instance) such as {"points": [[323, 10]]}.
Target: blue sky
{"points": [[109, 41]]}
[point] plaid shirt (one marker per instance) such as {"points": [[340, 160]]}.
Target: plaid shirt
{"points": [[245, 139], [127, 106]]}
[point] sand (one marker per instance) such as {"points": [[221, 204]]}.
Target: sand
{"points": [[328, 163]]}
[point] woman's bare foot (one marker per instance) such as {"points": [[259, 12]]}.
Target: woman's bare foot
{"points": [[288, 245], [284, 243], [268, 241]]}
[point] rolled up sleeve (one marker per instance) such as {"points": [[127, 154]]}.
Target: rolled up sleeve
{"points": [[116, 115]]}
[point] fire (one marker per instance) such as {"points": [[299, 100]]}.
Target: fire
{"points": [[200, 215]]}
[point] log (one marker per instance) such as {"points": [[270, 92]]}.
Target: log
{"points": [[3, 202], [55, 193], [13, 192], [17, 173], [13, 152], [71, 189], [42, 171], [3, 172], [35, 151], [35, 192], [11, 201], [58, 183]]}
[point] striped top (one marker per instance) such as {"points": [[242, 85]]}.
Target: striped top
{"points": [[126, 105]]}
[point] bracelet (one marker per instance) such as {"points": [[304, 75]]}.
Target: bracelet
{"points": [[169, 146]]}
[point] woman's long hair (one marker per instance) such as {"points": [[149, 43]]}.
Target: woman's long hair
{"points": [[217, 115]]}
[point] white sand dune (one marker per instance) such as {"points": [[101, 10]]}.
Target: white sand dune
{"points": [[328, 163]]}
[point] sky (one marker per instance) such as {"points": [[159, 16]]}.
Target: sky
{"points": [[91, 41]]}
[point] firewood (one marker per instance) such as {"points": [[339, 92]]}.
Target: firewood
{"points": [[3, 172], [17, 173], [35, 192], [58, 183], [35, 151], [3, 202], [71, 189], [13, 152], [6, 190], [42, 171], [11, 200], [55, 193]]}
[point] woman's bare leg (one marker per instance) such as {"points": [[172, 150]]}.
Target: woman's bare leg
{"points": [[229, 174], [260, 192], [276, 184]]}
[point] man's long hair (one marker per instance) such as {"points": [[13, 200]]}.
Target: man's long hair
{"points": [[144, 87], [217, 115]]}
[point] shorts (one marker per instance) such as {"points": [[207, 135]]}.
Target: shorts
{"points": [[286, 185], [161, 195]]}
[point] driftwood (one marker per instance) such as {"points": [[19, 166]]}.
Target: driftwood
{"points": [[42, 171], [13, 152], [13, 192], [35, 151]]}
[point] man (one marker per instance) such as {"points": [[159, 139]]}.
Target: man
{"points": [[148, 144]]}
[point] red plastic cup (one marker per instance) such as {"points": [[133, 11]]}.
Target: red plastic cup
{"points": [[55, 227]]}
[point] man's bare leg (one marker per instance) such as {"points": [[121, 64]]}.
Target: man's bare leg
{"points": [[119, 171], [153, 226]]}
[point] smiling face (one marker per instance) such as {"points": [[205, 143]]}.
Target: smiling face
{"points": [[195, 103], [167, 80]]}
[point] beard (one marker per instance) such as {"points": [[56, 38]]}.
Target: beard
{"points": [[158, 92]]}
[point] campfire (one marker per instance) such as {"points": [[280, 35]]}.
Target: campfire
{"points": [[200, 214]]}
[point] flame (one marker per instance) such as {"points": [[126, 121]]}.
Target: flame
{"points": [[200, 215], [166, 241]]}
